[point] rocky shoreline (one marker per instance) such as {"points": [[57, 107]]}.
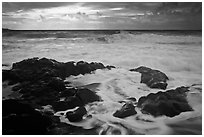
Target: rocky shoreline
{"points": [[41, 82]]}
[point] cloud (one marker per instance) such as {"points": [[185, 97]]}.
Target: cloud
{"points": [[103, 14], [179, 8]]}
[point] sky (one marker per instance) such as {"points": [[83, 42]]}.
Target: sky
{"points": [[102, 15]]}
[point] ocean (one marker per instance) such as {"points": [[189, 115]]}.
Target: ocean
{"points": [[176, 53]]}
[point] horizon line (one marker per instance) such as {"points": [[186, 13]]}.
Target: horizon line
{"points": [[104, 29]]}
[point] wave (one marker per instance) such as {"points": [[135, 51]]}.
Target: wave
{"points": [[117, 85], [101, 36]]}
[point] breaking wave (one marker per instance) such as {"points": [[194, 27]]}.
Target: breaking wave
{"points": [[117, 85]]}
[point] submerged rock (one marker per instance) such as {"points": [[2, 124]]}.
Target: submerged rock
{"points": [[127, 110], [77, 115], [169, 103], [21, 119], [152, 78]]}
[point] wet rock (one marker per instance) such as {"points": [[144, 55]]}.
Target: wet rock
{"points": [[169, 103], [56, 83], [41, 83], [152, 78], [127, 109], [21, 119], [75, 97], [84, 67], [87, 96], [42, 80], [9, 75], [35, 69], [65, 129], [68, 92], [69, 103], [39, 93], [110, 67], [77, 115]]}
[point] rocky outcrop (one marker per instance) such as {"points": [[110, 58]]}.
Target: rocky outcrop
{"points": [[19, 118], [40, 81], [76, 115], [169, 103], [74, 97], [152, 78], [36, 69], [127, 110]]}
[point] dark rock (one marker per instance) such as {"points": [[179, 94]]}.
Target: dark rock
{"points": [[84, 67], [152, 78], [66, 129], [77, 115], [21, 119], [68, 69], [69, 103], [40, 93], [9, 75], [95, 66], [87, 96], [169, 103], [75, 97], [35, 69], [56, 83], [110, 67], [127, 109], [68, 92]]}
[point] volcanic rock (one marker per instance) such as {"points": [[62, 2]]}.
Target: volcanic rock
{"points": [[152, 78], [127, 109], [75, 97], [169, 103], [21, 119], [77, 115], [87, 95], [34, 69]]}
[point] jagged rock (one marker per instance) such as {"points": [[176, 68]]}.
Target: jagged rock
{"points": [[68, 92], [87, 95], [69, 103], [56, 83], [9, 75], [22, 119], [127, 109], [35, 69], [169, 103], [42, 80], [152, 78], [77, 115], [41, 83], [75, 97]]}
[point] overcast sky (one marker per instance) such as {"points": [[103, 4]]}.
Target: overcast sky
{"points": [[114, 15]]}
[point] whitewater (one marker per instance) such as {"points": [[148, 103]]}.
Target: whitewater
{"points": [[179, 56]]}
